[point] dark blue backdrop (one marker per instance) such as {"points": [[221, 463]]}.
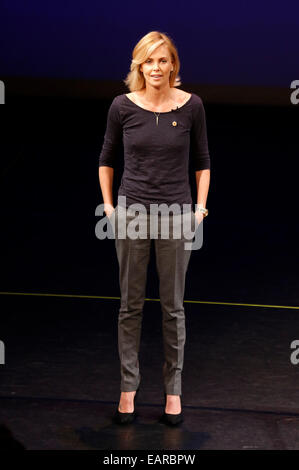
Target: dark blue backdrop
{"points": [[231, 42]]}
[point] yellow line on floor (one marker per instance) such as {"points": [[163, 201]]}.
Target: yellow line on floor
{"points": [[206, 302]]}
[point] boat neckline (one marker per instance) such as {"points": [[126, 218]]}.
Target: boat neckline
{"points": [[160, 112]]}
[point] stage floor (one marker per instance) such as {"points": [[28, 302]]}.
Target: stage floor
{"points": [[60, 384]]}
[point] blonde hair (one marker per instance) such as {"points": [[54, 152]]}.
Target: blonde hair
{"points": [[143, 49]]}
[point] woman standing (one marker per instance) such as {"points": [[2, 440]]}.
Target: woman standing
{"points": [[158, 126]]}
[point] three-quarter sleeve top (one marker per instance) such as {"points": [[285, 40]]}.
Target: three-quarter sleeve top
{"points": [[156, 157]]}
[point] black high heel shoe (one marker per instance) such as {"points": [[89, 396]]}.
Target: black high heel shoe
{"points": [[126, 418], [170, 418]]}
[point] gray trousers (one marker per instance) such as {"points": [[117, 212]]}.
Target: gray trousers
{"points": [[172, 261]]}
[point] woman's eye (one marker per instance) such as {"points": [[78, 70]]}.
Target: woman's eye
{"points": [[149, 60]]}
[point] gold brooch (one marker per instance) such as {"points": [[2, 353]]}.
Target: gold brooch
{"points": [[174, 123]]}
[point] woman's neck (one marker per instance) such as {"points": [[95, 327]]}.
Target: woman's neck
{"points": [[156, 97]]}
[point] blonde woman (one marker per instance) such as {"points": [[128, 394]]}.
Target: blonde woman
{"points": [[158, 125]]}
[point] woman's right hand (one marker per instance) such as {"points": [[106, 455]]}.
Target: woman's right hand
{"points": [[109, 209]]}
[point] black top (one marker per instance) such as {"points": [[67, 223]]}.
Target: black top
{"points": [[156, 157]]}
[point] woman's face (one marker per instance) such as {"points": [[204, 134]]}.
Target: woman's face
{"points": [[159, 64]]}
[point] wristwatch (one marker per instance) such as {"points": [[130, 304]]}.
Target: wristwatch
{"points": [[203, 210]]}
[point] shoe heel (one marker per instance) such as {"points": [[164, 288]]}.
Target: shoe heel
{"points": [[126, 418], [171, 419]]}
